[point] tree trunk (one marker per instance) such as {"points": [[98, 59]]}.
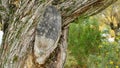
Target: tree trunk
{"points": [[22, 22]]}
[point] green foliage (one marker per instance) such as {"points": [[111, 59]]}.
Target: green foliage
{"points": [[87, 49], [84, 39], [107, 57]]}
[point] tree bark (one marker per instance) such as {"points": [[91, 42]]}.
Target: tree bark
{"points": [[20, 18]]}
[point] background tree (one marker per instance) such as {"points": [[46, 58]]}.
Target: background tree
{"points": [[20, 19]]}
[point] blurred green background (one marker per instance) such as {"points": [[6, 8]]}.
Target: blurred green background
{"points": [[94, 42]]}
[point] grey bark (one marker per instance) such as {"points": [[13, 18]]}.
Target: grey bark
{"points": [[21, 18]]}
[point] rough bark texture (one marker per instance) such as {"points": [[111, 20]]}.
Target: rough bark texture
{"points": [[20, 19]]}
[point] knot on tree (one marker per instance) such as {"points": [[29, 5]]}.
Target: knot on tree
{"points": [[47, 34]]}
